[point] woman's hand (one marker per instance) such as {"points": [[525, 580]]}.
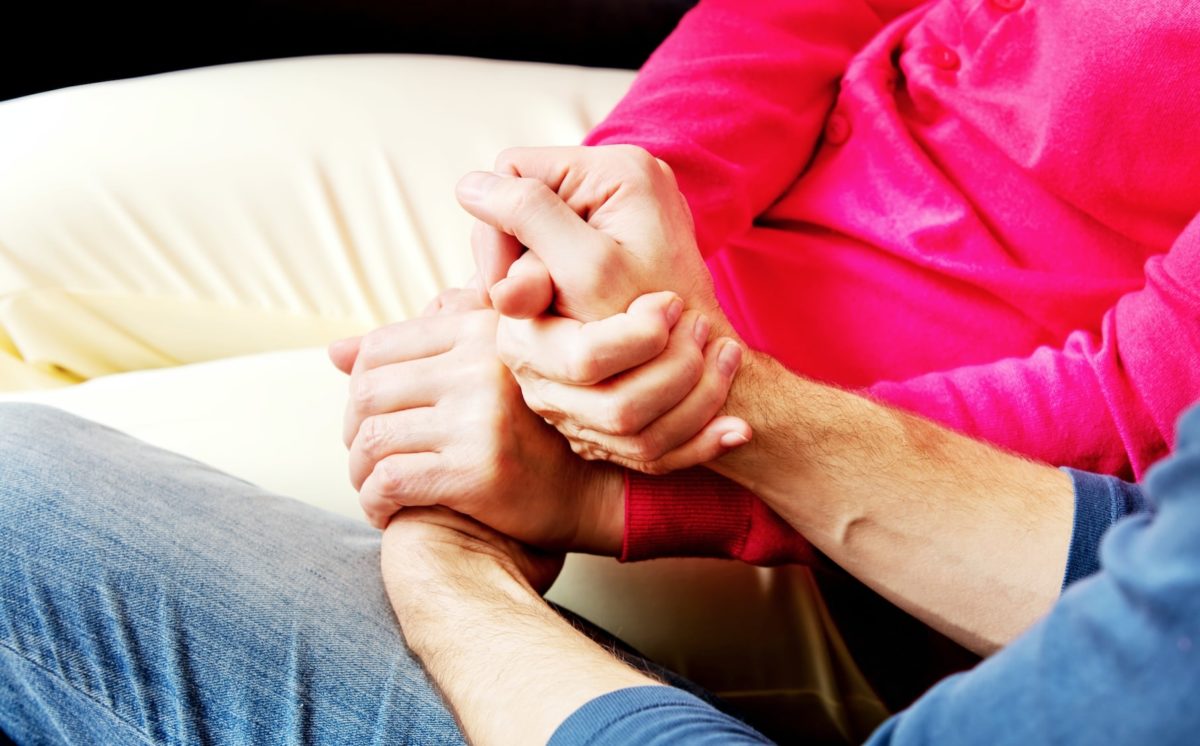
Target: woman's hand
{"points": [[640, 389], [604, 228]]}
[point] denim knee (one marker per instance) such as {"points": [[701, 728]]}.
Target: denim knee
{"points": [[53, 464], [22, 423], [33, 433], [33, 438]]}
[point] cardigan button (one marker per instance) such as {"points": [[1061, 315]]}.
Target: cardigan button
{"points": [[941, 57], [1008, 5], [837, 129]]}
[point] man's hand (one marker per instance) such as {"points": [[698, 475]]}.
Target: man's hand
{"points": [[424, 544], [434, 418], [468, 602]]}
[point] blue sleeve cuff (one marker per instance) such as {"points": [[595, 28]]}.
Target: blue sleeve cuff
{"points": [[649, 716], [1100, 501]]}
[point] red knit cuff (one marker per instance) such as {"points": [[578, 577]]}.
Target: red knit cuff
{"points": [[697, 513], [691, 513]]}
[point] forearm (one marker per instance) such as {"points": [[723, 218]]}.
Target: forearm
{"points": [[969, 539], [510, 667]]}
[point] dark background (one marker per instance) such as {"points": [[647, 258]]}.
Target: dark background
{"points": [[48, 44]]}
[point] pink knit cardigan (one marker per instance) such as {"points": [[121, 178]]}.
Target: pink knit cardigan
{"points": [[983, 211]]}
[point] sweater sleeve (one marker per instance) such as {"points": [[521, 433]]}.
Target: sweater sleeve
{"points": [[1102, 402], [1115, 659], [653, 716], [736, 98], [1100, 501]]}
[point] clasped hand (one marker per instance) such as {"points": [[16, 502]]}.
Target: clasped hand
{"points": [[572, 245], [593, 313]]}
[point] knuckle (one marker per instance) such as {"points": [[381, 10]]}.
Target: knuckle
{"points": [[582, 366], [666, 170], [372, 435], [624, 417], [646, 448], [509, 344], [655, 468], [590, 451], [528, 198], [550, 414], [389, 478], [639, 159], [362, 393]]}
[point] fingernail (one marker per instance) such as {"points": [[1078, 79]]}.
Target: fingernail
{"points": [[673, 311], [730, 358], [474, 185], [700, 330], [733, 440]]}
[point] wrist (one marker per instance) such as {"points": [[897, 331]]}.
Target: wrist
{"points": [[801, 429], [601, 517], [435, 611], [426, 568], [507, 662]]}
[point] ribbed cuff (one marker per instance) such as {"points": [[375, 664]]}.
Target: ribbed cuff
{"points": [[690, 513], [1100, 501], [697, 513]]}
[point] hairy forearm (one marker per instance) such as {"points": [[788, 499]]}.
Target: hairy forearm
{"points": [[510, 667], [968, 538]]}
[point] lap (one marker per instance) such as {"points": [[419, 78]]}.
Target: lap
{"points": [[146, 597], [761, 638]]}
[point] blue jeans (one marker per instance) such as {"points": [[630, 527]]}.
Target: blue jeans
{"points": [[148, 598]]}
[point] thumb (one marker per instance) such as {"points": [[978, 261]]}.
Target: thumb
{"points": [[719, 437], [664, 302], [527, 291]]}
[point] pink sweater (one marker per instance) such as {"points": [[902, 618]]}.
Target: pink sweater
{"points": [[983, 211]]}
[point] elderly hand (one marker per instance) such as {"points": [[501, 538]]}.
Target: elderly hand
{"points": [[434, 418], [604, 227], [640, 389]]}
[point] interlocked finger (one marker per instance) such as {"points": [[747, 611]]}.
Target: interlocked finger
{"points": [[414, 383], [648, 449], [627, 403], [399, 481], [583, 353], [382, 435]]}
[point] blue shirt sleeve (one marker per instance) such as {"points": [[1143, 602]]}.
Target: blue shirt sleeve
{"points": [[652, 716], [1100, 501], [1116, 661]]}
